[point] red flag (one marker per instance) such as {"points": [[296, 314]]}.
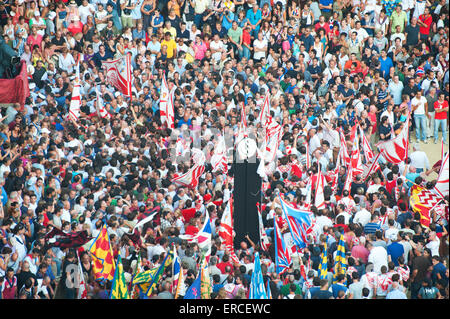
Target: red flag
{"points": [[118, 74]]}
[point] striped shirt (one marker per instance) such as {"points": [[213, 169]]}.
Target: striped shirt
{"points": [[371, 228]]}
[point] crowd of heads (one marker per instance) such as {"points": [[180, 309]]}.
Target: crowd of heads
{"points": [[326, 64]]}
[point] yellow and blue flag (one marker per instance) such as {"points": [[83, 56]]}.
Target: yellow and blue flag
{"points": [[119, 288], [159, 272], [340, 262], [323, 267], [205, 282], [102, 257]]}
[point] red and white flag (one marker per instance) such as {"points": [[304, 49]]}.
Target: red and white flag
{"points": [[75, 102], [265, 109], [319, 200], [263, 238], [356, 161], [272, 139], [348, 180], [396, 149], [190, 178], [82, 289], [166, 110], [101, 111], [219, 159], [442, 183], [368, 153], [225, 230], [371, 168], [345, 155], [118, 74]]}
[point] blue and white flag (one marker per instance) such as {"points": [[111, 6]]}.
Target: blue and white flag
{"points": [[257, 289]]}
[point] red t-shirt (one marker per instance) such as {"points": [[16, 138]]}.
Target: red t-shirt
{"points": [[439, 106], [246, 38], [222, 266], [325, 26], [428, 21]]}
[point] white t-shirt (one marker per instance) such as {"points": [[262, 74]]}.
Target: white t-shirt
{"points": [[259, 45], [216, 46], [85, 12], [378, 257], [434, 247], [419, 159], [421, 109]]}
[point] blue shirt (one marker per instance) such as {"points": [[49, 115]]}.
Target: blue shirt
{"points": [[253, 17], [385, 66], [395, 250], [371, 228], [396, 294], [335, 288], [326, 3]]}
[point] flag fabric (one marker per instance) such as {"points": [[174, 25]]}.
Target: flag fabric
{"points": [[263, 238], [225, 230], [269, 293], [257, 290], [348, 179], [219, 159], [282, 255], [265, 109], [135, 289], [82, 289], [75, 102], [340, 262], [193, 292], [118, 74], [205, 281], [371, 168], [159, 272], [58, 238], [345, 155], [368, 153], [319, 200], [100, 107], [323, 266], [299, 222], [396, 150], [191, 177], [273, 134], [202, 238], [144, 221], [308, 161], [119, 286], [442, 183], [356, 161], [166, 111], [423, 201], [177, 273], [102, 257]]}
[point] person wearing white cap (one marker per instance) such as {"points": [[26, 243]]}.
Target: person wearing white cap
{"points": [[38, 22]]}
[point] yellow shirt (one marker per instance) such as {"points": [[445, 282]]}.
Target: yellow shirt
{"points": [[172, 31], [171, 47]]}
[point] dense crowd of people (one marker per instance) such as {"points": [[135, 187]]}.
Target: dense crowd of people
{"points": [[327, 64]]}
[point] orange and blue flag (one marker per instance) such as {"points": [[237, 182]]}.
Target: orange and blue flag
{"points": [[102, 257]]}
